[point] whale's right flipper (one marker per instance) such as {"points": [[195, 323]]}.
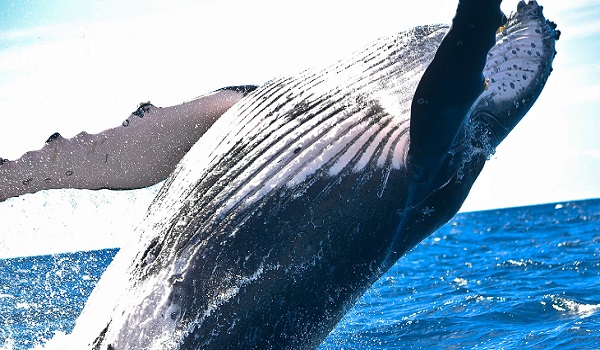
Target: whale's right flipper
{"points": [[141, 152], [451, 84]]}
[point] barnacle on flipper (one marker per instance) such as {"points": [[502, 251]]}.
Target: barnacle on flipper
{"points": [[142, 109], [501, 29], [53, 137]]}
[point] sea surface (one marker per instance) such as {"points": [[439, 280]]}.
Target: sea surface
{"points": [[517, 278]]}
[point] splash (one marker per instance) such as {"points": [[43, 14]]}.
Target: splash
{"points": [[568, 307]]}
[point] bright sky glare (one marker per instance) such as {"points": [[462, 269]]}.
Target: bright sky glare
{"points": [[70, 66]]}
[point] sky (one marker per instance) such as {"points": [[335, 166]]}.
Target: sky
{"points": [[68, 66]]}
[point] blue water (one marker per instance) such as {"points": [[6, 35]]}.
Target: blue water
{"points": [[519, 278]]}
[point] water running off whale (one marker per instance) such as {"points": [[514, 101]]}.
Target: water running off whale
{"points": [[304, 192]]}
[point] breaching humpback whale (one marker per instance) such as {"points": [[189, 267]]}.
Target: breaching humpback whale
{"points": [[307, 190]]}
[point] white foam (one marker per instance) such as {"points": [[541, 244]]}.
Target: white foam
{"points": [[58, 221], [571, 307]]}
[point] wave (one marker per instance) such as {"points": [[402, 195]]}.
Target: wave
{"points": [[572, 308]]}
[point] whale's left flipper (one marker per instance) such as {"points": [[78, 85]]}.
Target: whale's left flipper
{"points": [[141, 152]]}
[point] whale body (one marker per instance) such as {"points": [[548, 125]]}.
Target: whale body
{"points": [[306, 191]]}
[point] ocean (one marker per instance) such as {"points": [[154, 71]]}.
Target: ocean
{"points": [[516, 278]]}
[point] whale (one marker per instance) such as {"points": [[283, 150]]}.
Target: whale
{"points": [[309, 188]]}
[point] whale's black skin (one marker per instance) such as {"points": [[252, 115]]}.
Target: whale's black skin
{"points": [[308, 190]]}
